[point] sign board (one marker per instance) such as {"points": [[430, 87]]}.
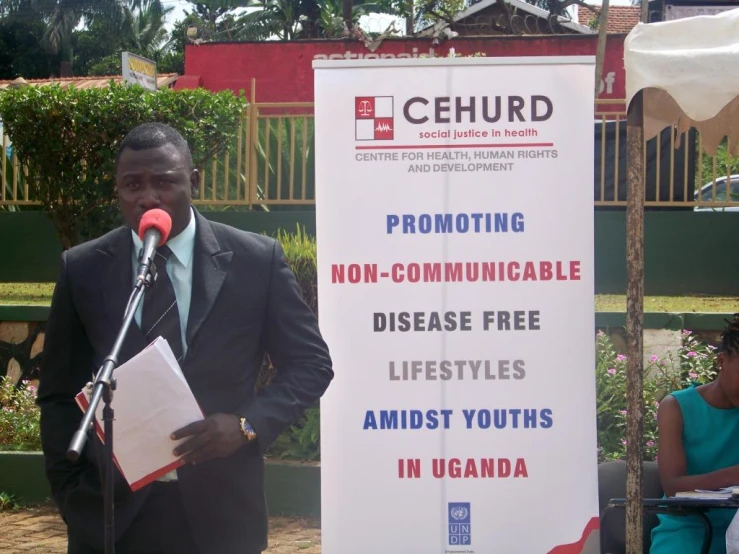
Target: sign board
{"points": [[139, 71], [455, 284]]}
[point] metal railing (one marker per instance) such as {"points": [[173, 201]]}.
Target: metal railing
{"points": [[15, 184], [678, 173], [272, 163]]}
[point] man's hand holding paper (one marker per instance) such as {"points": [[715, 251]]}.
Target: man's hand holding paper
{"points": [[151, 398], [216, 436]]}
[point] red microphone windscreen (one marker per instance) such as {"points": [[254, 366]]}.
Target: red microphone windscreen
{"points": [[157, 219]]}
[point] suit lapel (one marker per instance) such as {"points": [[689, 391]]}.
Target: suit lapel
{"points": [[117, 283], [210, 267]]}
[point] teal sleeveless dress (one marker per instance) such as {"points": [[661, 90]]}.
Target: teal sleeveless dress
{"points": [[711, 442]]}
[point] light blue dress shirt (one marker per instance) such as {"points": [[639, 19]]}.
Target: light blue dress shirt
{"points": [[179, 269]]}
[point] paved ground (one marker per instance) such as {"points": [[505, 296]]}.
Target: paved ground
{"points": [[39, 530]]}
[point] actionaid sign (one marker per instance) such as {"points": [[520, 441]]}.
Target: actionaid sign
{"points": [[282, 71], [354, 55]]}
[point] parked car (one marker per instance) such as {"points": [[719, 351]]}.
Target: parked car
{"points": [[706, 194]]}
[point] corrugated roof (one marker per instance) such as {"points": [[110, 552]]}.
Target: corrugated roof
{"points": [[621, 19], [164, 80], [522, 5]]}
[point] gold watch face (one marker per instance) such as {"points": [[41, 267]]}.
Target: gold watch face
{"points": [[248, 433]]}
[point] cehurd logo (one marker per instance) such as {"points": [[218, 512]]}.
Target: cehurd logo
{"points": [[373, 118], [460, 523]]}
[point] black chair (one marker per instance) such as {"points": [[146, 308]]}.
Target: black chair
{"points": [[612, 484]]}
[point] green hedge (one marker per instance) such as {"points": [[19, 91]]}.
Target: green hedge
{"points": [[68, 139]]}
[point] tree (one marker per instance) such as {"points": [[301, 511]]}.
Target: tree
{"points": [[145, 27], [443, 12], [172, 60], [21, 54], [346, 10], [429, 12], [602, 38], [265, 19], [332, 22], [208, 25], [93, 44], [63, 16], [98, 48], [110, 26], [67, 138], [559, 7]]}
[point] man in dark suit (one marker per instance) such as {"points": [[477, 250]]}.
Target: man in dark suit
{"points": [[222, 298]]}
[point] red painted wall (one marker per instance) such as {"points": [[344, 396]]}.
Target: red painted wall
{"points": [[284, 73]]}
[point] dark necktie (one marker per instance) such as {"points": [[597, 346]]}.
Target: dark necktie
{"points": [[160, 315]]}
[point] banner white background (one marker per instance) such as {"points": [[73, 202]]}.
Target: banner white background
{"points": [[364, 181]]}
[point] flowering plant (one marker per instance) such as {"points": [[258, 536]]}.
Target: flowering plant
{"points": [[19, 416], [694, 363]]}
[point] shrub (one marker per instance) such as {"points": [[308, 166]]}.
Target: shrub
{"points": [[725, 164], [68, 138], [302, 441], [9, 503], [695, 363], [300, 253], [19, 416]]}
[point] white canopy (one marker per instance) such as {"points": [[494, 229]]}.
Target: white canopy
{"points": [[689, 72]]}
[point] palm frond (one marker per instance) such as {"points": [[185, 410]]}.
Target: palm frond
{"points": [[59, 27]]}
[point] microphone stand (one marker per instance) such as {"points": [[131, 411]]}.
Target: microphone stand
{"points": [[103, 389]]}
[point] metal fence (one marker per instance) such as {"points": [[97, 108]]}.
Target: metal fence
{"points": [[272, 163], [15, 185], [677, 172]]}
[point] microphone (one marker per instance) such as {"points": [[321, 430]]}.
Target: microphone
{"points": [[154, 229]]}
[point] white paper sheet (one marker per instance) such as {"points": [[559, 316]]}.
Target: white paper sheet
{"points": [[152, 399]]}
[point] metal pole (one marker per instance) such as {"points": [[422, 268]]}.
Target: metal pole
{"points": [[635, 325]]}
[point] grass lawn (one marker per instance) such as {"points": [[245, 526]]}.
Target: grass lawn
{"points": [[674, 304], [39, 294], [26, 294]]}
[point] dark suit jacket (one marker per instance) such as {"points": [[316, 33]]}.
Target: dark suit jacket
{"points": [[245, 300]]}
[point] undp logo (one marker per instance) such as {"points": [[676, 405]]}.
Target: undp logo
{"points": [[459, 522], [373, 118]]}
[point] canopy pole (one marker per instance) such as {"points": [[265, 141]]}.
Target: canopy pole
{"points": [[635, 325]]}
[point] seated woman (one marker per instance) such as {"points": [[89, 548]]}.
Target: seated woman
{"points": [[699, 449]]}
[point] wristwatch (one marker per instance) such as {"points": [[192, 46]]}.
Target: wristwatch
{"points": [[247, 430]]}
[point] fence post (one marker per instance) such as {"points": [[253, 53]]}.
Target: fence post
{"points": [[635, 326], [254, 134]]}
